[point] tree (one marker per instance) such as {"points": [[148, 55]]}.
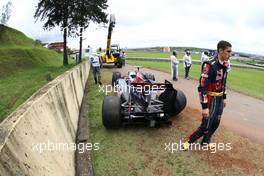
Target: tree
{"points": [[56, 12], [86, 11], [6, 13]]}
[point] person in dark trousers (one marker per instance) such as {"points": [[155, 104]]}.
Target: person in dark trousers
{"points": [[187, 62], [123, 58], [96, 63], [212, 93]]}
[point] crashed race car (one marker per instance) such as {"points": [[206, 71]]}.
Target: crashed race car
{"points": [[140, 100]]}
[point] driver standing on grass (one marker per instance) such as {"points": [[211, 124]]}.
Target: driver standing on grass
{"points": [[212, 95]]}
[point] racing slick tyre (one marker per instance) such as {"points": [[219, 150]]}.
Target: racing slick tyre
{"points": [[115, 77], [180, 102], [174, 101], [111, 112]]}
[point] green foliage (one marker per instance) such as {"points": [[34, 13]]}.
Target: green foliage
{"points": [[70, 15], [84, 12], [88, 10], [56, 12]]}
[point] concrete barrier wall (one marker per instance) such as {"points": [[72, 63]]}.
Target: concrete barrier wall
{"points": [[48, 120]]}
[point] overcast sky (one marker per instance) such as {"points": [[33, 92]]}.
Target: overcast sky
{"points": [[146, 23]]}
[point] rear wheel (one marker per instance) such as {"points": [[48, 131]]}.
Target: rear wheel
{"points": [[111, 112], [180, 102], [174, 101]]}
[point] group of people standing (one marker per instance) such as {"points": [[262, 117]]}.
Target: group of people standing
{"points": [[187, 63]]}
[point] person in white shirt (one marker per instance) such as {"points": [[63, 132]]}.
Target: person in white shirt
{"points": [[96, 63], [187, 63], [204, 57], [228, 65], [174, 66]]}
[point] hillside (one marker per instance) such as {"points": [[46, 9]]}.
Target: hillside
{"points": [[24, 68], [18, 52], [10, 37]]}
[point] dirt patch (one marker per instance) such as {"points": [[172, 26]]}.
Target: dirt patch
{"points": [[243, 153], [224, 161]]}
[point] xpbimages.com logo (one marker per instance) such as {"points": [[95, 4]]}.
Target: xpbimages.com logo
{"points": [[147, 89], [213, 147], [67, 147]]}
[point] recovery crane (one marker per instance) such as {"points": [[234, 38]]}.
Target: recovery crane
{"points": [[112, 54]]}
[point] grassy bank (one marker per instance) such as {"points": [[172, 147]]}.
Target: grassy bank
{"points": [[247, 81], [24, 68]]}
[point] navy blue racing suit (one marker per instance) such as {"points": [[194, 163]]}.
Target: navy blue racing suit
{"points": [[212, 92]]}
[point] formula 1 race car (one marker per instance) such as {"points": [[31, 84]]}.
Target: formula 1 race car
{"points": [[140, 100]]}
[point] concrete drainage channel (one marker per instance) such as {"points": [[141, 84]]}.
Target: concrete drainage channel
{"points": [[83, 158], [41, 136]]}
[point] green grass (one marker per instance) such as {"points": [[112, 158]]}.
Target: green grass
{"points": [[153, 54], [14, 59], [18, 87], [247, 81], [24, 68]]}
